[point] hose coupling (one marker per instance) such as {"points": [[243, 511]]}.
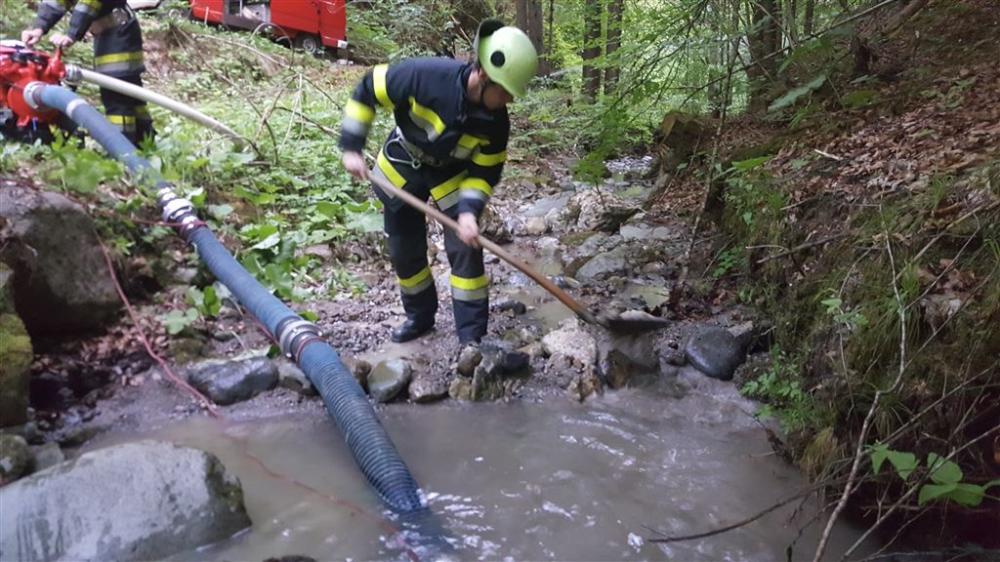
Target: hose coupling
{"points": [[176, 209], [293, 333], [73, 75], [32, 95], [164, 195]]}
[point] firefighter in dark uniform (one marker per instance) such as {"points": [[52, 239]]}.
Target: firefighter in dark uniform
{"points": [[117, 53], [450, 144]]}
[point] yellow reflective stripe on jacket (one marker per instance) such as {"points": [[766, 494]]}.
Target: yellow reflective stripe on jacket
{"points": [[425, 117], [135, 56], [490, 159], [466, 144], [470, 284], [121, 119], [381, 92], [478, 184], [470, 141], [448, 187], [359, 111], [390, 173]]}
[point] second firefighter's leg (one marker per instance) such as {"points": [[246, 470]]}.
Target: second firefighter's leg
{"points": [[469, 288], [118, 53], [120, 112], [407, 231]]}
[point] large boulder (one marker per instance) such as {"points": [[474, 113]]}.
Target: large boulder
{"points": [[139, 501], [61, 281], [15, 359]]}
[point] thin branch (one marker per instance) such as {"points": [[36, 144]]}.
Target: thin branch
{"points": [[866, 425]]}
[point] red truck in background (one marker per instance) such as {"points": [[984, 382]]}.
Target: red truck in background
{"points": [[312, 25]]}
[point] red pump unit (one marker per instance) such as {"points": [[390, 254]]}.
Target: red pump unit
{"points": [[20, 66], [312, 25]]}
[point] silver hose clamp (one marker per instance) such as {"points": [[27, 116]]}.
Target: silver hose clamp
{"points": [[73, 75], [293, 334], [165, 195], [32, 90], [175, 209]]}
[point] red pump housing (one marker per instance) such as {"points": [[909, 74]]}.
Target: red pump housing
{"points": [[20, 66]]}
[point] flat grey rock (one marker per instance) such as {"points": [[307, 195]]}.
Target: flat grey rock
{"points": [[715, 352]]}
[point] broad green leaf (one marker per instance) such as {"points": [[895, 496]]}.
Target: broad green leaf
{"points": [[904, 463], [211, 302], [878, 455], [943, 471], [931, 492], [267, 243], [329, 210], [309, 315], [969, 495], [794, 94], [365, 222]]}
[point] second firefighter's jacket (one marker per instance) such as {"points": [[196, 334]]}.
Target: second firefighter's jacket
{"points": [[428, 99], [117, 37]]}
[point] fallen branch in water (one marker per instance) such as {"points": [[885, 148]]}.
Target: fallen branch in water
{"points": [[803, 494]]}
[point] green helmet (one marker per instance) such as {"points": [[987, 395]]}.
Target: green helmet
{"points": [[507, 55]]}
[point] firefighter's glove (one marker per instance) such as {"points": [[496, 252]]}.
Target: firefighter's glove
{"points": [[31, 36], [355, 165], [468, 229], [61, 41]]}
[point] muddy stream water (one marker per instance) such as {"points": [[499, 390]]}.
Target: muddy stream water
{"points": [[523, 481]]}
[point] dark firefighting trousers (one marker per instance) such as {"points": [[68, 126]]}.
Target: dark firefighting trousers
{"points": [[118, 53], [406, 229]]}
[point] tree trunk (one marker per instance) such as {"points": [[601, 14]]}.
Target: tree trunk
{"points": [[616, 10], [529, 19], [549, 63], [792, 21], [809, 18], [765, 44], [591, 48]]}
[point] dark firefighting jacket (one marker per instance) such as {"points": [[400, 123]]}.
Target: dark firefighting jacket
{"points": [[117, 38], [437, 120]]}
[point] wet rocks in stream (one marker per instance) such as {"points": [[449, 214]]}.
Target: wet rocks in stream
{"points": [[495, 373], [47, 455], [178, 499], [388, 378], [15, 457], [290, 376], [428, 387], [599, 210], [234, 381], [715, 352]]}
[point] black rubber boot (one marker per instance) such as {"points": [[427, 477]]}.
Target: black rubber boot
{"points": [[410, 330]]}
